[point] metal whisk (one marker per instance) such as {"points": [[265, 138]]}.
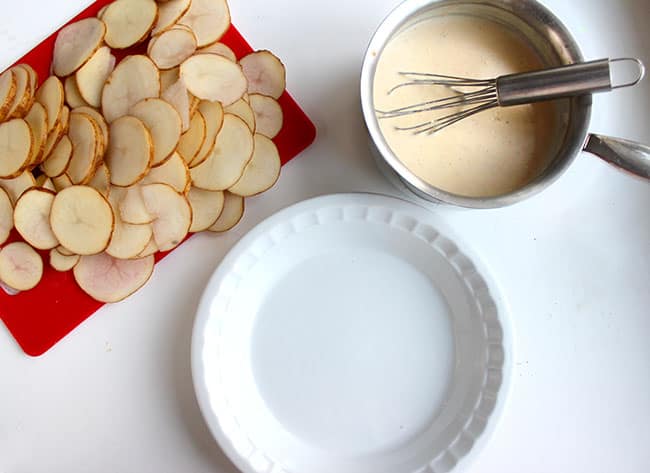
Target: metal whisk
{"points": [[475, 95]]}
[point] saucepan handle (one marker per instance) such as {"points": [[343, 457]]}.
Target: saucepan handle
{"points": [[627, 155]]}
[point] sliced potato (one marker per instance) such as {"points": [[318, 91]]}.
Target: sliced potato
{"points": [[220, 49], [21, 101], [72, 95], [150, 249], [32, 218], [59, 159], [62, 182], [21, 268], [169, 78], [172, 47], [192, 140], [131, 204], [45, 182], [206, 208], [17, 185], [172, 214], [82, 220], [169, 13], [130, 151], [263, 170], [52, 96], [134, 79], [212, 112], [164, 124], [179, 98], [173, 172], [64, 251], [108, 279], [226, 164], [129, 22], [92, 76], [53, 139], [7, 93], [209, 19], [75, 45], [128, 240], [62, 262], [233, 211], [213, 77], [269, 117], [98, 117], [16, 143], [6, 216], [37, 121], [101, 180], [33, 76], [84, 135], [265, 74], [243, 110]]}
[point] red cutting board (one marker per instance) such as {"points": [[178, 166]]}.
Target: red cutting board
{"points": [[40, 318]]}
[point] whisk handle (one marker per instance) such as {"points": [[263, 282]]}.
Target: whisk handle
{"points": [[555, 83]]}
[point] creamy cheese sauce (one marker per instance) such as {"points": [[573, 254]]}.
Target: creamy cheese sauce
{"points": [[489, 154]]}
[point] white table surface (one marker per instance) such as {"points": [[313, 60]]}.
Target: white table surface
{"points": [[116, 395]]}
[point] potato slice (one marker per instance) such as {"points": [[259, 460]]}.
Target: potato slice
{"points": [[52, 96], [8, 88], [64, 251], [84, 135], [269, 118], [108, 279], [172, 214], [92, 76], [131, 204], [32, 218], [129, 22], [72, 95], [213, 77], [130, 151], [75, 45], [220, 49], [37, 121], [169, 78], [179, 98], [33, 76], [243, 110], [164, 123], [172, 47], [62, 262], [206, 208], [21, 268], [128, 240], [192, 140], [59, 159], [209, 19], [263, 170], [101, 180], [62, 182], [45, 182], [169, 13], [134, 79], [16, 143], [98, 117], [82, 220], [226, 164], [265, 74], [150, 249], [213, 114], [53, 139], [6, 216], [21, 101], [173, 172], [233, 211], [17, 185]]}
